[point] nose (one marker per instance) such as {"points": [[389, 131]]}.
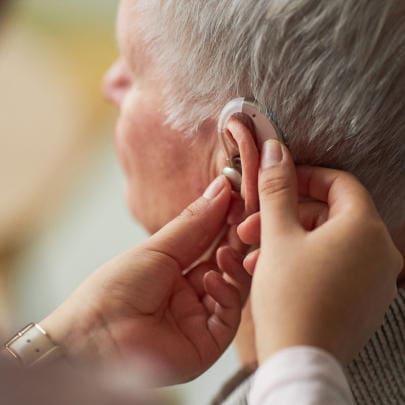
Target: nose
{"points": [[117, 82]]}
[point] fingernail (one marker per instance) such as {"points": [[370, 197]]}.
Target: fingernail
{"points": [[272, 154], [214, 188]]}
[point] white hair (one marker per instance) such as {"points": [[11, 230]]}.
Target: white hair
{"points": [[331, 71]]}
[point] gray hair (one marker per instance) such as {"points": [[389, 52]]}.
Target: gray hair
{"points": [[332, 72]]}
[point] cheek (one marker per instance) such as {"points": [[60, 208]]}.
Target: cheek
{"points": [[157, 163], [136, 146], [135, 134]]}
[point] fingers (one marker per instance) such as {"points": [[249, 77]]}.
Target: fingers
{"points": [[341, 191], [250, 261], [226, 310], [230, 263], [189, 235], [277, 191], [249, 230], [311, 215], [196, 277], [236, 210], [222, 292]]}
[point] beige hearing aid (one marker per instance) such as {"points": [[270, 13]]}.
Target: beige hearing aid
{"points": [[264, 126]]}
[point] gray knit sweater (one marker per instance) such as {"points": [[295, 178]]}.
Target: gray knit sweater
{"points": [[377, 375]]}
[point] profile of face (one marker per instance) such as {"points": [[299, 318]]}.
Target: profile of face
{"points": [[165, 170]]}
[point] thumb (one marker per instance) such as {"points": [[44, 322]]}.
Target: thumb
{"points": [[277, 190], [189, 235]]}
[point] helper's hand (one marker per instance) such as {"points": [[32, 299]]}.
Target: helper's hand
{"points": [[140, 303], [328, 287]]}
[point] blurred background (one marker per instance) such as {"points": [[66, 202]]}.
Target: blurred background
{"points": [[62, 210]]}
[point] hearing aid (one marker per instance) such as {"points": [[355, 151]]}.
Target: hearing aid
{"points": [[265, 127]]}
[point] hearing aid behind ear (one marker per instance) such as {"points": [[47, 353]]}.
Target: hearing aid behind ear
{"points": [[264, 126]]}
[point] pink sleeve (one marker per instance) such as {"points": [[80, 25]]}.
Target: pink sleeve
{"points": [[300, 375]]}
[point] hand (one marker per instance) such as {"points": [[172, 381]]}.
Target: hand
{"points": [[140, 303], [328, 287]]}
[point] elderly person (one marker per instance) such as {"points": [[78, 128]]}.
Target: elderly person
{"points": [[333, 88], [331, 73]]}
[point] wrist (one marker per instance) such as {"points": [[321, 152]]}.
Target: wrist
{"points": [[81, 336], [270, 340]]}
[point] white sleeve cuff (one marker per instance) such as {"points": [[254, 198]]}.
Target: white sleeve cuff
{"points": [[300, 375]]}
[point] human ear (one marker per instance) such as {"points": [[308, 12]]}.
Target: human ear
{"points": [[240, 139], [243, 126]]}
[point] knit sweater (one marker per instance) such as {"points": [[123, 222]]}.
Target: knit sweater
{"points": [[376, 376]]}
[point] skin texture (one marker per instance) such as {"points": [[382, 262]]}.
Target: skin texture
{"points": [[162, 166], [140, 303], [165, 171], [313, 277]]}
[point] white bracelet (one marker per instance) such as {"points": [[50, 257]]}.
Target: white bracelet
{"points": [[33, 346]]}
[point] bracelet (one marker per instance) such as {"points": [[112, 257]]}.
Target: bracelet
{"points": [[32, 346]]}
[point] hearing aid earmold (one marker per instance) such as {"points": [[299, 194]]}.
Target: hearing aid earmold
{"points": [[264, 126]]}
